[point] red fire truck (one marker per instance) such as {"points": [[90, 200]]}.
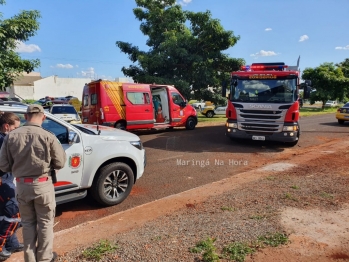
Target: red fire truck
{"points": [[264, 103]]}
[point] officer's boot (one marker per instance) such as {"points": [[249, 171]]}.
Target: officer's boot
{"points": [[4, 254]]}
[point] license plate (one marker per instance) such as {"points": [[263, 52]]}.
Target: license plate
{"points": [[258, 137]]}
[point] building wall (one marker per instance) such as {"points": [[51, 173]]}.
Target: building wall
{"points": [[24, 92], [59, 87]]}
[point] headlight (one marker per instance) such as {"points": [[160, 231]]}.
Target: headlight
{"points": [[290, 128], [137, 144], [233, 125]]}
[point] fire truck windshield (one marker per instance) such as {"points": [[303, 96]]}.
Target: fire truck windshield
{"points": [[264, 90]]}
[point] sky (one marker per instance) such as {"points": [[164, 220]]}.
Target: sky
{"points": [[77, 38]]}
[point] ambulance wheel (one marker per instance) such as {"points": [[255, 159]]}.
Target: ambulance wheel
{"points": [[191, 123], [210, 114], [120, 125], [113, 183]]}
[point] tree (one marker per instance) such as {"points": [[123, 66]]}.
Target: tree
{"points": [[345, 67], [17, 28], [329, 82], [185, 48]]}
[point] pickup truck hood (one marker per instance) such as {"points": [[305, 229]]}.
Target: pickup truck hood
{"points": [[110, 133]]}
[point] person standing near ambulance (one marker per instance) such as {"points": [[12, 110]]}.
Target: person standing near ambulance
{"points": [[9, 212], [30, 152]]}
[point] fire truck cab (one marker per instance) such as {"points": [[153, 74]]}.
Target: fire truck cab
{"points": [[263, 103]]}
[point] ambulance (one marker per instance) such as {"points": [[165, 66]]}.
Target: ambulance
{"points": [[132, 106]]}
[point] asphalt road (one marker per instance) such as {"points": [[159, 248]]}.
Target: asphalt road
{"points": [[180, 160]]}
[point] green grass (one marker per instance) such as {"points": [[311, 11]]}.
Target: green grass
{"points": [[304, 111], [225, 208], [273, 240], [256, 217], [96, 252], [208, 250], [202, 118], [311, 111], [295, 187], [326, 195], [238, 251], [290, 197]]}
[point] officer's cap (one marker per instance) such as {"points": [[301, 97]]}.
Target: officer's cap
{"points": [[35, 109]]}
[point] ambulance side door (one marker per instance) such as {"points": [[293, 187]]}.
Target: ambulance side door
{"points": [[177, 111], [139, 109]]}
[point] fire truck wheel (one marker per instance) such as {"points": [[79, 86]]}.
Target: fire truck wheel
{"points": [[112, 184], [191, 123], [209, 114], [120, 125]]}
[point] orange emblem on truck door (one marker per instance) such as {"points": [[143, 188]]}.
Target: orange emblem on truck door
{"points": [[75, 161]]}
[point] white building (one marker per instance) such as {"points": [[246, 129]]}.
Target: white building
{"points": [[33, 87]]}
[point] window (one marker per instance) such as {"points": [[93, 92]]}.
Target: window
{"points": [[63, 110], [138, 98], [60, 131], [94, 99], [85, 102], [177, 99]]}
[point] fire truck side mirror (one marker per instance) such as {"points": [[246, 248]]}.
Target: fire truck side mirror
{"points": [[306, 89]]}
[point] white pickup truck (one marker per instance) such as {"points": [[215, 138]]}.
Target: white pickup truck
{"points": [[106, 162]]}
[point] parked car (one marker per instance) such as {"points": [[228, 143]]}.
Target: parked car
{"points": [[208, 111], [108, 175], [66, 112], [220, 110], [211, 111], [343, 114], [331, 103]]}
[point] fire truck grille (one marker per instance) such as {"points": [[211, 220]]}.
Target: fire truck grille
{"points": [[260, 121]]}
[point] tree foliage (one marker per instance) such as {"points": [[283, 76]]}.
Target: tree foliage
{"points": [[17, 28], [185, 48], [329, 81]]}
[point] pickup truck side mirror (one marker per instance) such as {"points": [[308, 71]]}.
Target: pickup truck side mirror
{"points": [[73, 137]]}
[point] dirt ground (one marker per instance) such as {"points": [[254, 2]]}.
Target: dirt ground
{"points": [[304, 193]]}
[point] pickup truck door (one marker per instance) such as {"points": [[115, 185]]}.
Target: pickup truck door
{"points": [[71, 174]]}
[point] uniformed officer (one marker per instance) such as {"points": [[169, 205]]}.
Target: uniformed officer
{"points": [[30, 152], [9, 212]]}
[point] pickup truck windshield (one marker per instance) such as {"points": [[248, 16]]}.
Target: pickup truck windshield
{"points": [[270, 90]]}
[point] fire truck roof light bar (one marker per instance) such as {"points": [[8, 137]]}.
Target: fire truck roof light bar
{"points": [[264, 67]]}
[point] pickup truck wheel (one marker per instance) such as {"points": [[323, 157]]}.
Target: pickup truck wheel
{"points": [[113, 184], [341, 122], [191, 123], [210, 114]]}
